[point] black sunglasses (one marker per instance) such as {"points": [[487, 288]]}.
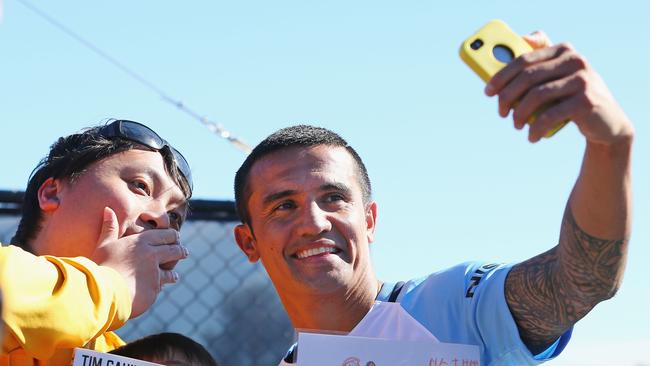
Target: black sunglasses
{"points": [[144, 135]]}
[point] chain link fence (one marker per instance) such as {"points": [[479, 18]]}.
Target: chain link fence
{"points": [[222, 301]]}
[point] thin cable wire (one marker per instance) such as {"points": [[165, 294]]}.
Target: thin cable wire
{"points": [[214, 127]]}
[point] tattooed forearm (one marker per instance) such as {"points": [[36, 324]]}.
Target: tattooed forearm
{"points": [[550, 292], [592, 265]]}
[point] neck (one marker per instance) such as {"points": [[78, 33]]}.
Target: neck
{"points": [[49, 241], [40, 245], [339, 311]]}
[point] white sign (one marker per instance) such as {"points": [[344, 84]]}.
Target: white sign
{"points": [[334, 350], [86, 357]]}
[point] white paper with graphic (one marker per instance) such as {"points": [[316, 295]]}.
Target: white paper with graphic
{"points": [[86, 357], [332, 350]]}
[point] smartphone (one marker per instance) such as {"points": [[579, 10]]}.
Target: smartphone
{"points": [[491, 48]]}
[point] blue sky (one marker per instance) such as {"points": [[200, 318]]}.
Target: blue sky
{"points": [[454, 181]]}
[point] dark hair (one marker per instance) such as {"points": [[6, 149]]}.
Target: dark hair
{"points": [[294, 136], [163, 345], [68, 158]]}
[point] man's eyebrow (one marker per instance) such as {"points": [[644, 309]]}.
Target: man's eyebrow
{"points": [[270, 198], [152, 173], [158, 180], [277, 195], [336, 187]]}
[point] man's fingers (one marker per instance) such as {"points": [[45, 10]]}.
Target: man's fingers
{"points": [[504, 76], [551, 118], [534, 77], [538, 39], [167, 277], [538, 98], [161, 236], [110, 226], [170, 253]]}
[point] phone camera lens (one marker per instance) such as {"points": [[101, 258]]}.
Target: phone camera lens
{"points": [[478, 43], [503, 53]]}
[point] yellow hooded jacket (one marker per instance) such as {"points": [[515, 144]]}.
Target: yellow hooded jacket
{"points": [[52, 305]]}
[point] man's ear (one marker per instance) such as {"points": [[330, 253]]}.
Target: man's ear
{"points": [[48, 195], [246, 241], [371, 220]]}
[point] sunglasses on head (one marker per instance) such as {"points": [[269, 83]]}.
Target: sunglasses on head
{"points": [[144, 135]]}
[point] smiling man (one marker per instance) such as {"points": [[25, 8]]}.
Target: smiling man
{"points": [[304, 198], [97, 239]]}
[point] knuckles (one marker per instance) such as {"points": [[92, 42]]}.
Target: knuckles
{"points": [[160, 236], [565, 47], [539, 91], [526, 59], [581, 81], [574, 60], [577, 61], [586, 102], [529, 73]]}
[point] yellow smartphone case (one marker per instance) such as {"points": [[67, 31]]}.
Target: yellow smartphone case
{"points": [[482, 60]]}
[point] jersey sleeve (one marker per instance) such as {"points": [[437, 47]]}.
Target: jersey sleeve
{"points": [[466, 304], [485, 287], [52, 303]]}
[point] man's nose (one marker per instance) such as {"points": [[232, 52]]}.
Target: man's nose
{"points": [[155, 217], [314, 220]]}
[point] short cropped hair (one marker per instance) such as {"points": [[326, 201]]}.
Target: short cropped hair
{"points": [[294, 136], [164, 346], [69, 157]]}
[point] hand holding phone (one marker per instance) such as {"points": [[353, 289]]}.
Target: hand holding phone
{"points": [[492, 47]]}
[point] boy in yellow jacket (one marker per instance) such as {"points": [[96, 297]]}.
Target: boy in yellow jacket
{"points": [[97, 240]]}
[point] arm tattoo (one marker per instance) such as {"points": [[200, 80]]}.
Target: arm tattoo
{"points": [[549, 293]]}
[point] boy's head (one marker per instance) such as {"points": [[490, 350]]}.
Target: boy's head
{"points": [[171, 349], [123, 164]]}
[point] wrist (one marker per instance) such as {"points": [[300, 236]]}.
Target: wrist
{"points": [[123, 293], [621, 146], [612, 131]]}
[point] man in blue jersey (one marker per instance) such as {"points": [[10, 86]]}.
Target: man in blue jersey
{"points": [[304, 198]]}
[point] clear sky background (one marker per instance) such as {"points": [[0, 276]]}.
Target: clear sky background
{"points": [[453, 180]]}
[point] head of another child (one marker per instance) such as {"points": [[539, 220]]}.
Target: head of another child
{"points": [[170, 349]]}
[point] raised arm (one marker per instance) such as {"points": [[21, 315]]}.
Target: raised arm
{"points": [[52, 303], [549, 293]]}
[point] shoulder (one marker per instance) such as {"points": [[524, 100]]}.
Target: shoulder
{"points": [[462, 279], [13, 258], [8, 249]]}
